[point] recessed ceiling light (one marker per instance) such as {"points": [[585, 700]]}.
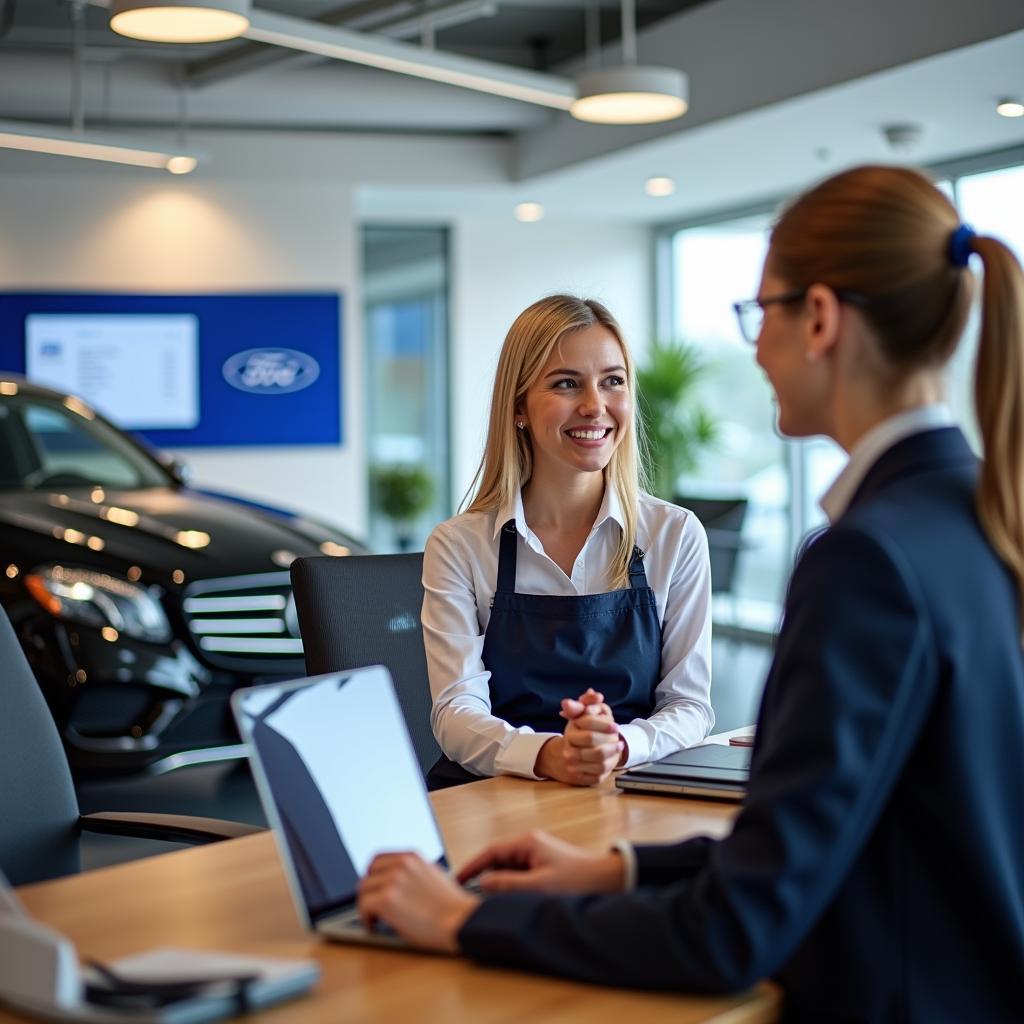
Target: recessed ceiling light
{"points": [[659, 186], [180, 21], [1010, 108], [529, 212]]}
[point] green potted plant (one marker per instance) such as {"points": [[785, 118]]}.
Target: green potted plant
{"points": [[676, 426], [677, 429], [403, 493]]}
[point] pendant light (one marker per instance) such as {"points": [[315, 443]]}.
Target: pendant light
{"points": [[76, 141], [180, 21], [630, 93]]}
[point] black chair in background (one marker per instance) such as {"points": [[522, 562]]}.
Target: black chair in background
{"points": [[40, 823], [722, 519], [365, 610]]}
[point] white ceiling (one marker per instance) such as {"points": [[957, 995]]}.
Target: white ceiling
{"points": [[781, 93], [765, 153]]}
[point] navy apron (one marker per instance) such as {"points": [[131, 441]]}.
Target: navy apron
{"points": [[540, 648]]}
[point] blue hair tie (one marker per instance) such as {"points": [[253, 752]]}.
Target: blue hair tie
{"points": [[960, 242]]}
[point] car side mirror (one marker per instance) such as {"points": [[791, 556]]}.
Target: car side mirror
{"points": [[181, 471]]}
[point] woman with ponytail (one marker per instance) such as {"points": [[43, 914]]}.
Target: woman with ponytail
{"points": [[566, 614], [876, 870]]}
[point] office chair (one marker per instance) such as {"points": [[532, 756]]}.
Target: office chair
{"points": [[722, 519], [40, 821], [365, 610]]}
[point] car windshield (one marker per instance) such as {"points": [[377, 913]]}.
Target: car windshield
{"points": [[46, 445]]}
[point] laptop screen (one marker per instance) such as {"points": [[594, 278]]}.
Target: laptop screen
{"points": [[338, 778]]}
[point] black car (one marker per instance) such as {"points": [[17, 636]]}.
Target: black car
{"points": [[140, 602]]}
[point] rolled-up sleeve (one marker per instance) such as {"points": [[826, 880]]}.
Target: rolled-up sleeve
{"points": [[453, 639]]}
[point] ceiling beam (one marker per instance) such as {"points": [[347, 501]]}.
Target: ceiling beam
{"points": [[390, 55], [396, 18], [248, 57]]}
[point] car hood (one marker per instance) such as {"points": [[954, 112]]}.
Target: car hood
{"points": [[163, 529]]}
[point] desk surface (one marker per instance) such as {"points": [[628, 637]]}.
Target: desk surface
{"points": [[233, 896]]}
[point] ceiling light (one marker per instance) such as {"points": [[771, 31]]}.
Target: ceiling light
{"points": [[180, 21], [659, 186], [529, 212], [1008, 107], [37, 138], [630, 93]]}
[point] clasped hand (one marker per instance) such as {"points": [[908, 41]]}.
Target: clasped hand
{"points": [[590, 748]]}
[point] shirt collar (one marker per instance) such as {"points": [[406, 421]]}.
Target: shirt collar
{"points": [[611, 508], [512, 510], [870, 448]]}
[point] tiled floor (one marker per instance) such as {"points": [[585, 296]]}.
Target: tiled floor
{"points": [[226, 790]]}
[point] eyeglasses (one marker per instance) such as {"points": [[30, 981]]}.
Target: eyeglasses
{"points": [[750, 312]]}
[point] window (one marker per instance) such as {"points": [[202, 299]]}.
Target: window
{"points": [[705, 268], [711, 266], [405, 292], [43, 446]]}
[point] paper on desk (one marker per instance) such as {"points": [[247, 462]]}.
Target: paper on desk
{"points": [[279, 979], [167, 963]]}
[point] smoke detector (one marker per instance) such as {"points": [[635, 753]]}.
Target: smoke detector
{"points": [[903, 137]]}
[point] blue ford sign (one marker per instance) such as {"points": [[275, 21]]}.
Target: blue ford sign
{"points": [[227, 386], [271, 371]]}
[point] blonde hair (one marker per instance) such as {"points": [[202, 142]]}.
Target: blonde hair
{"points": [[885, 232], [507, 462]]}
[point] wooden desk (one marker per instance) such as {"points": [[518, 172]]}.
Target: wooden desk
{"points": [[233, 896]]}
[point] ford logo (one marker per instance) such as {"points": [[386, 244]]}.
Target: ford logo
{"points": [[270, 371]]}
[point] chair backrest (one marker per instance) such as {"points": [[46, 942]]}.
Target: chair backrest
{"points": [[365, 610], [722, 518], [38, 806]]}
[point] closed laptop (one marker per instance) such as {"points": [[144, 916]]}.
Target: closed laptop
{"points": [[709, 771]]}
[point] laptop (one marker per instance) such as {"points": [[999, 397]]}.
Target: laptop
{"points": [[339, 782], [711, 771]]}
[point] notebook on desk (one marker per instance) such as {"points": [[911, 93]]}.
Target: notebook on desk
{"points": [[710, 771], [339, 782]]}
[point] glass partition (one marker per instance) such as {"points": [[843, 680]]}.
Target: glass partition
{"points": [[405, 303]]}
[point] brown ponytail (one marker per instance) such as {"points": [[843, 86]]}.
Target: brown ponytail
{"points": [[999, 402], [885, 232]]}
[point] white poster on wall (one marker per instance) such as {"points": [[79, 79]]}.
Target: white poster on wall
{"points": [[139, 370]]}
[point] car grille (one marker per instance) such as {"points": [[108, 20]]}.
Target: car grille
{"points": [[239, 620]]}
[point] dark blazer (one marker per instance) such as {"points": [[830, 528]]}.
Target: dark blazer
{"points": [[877, 867]]}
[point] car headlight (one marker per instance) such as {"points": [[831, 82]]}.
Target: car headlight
{"points": [[96, 599]]}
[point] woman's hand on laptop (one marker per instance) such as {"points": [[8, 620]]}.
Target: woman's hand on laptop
{"points": [[541, 863], [415, 898]]}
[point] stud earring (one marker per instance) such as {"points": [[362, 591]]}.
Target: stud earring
{"points": [[520, 424]]}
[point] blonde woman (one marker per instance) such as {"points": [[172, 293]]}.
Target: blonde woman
{"points": [[876, 869], [566, 614]]}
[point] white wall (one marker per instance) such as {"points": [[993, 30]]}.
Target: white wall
{"points": [[499, 267], [279, 213], [125, 232]]}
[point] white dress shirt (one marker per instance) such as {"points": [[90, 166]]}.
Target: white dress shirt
{"points": [[873, 445], [460, 568]]}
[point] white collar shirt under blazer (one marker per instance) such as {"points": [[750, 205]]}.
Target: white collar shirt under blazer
{"points": [[460, 568], [873, 445]]}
